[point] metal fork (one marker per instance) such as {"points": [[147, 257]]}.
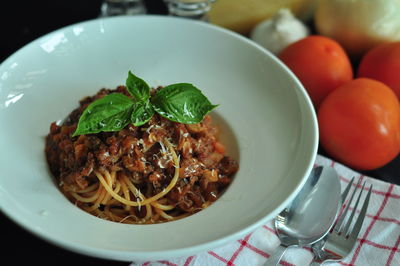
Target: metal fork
{"points": [[343, 237]]}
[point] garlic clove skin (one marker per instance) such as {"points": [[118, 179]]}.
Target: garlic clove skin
{"points": [[276, 33]]}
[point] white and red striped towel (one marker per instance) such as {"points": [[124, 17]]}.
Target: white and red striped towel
{"points": [[378, 242]]}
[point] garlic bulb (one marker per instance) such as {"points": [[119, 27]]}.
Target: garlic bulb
{"points": [[359, 25], [278, 32]]}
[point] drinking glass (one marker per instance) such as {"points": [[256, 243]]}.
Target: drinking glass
{"points": [[194, 9], [122, 7]]}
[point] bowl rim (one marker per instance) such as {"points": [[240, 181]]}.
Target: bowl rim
{"points": [[128, 255]]}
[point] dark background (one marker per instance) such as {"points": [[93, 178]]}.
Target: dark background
{"points": [[22, 22]]}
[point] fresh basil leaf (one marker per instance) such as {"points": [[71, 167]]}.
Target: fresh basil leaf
{"points": [[182, 102], [137, 87], [110, 113], [142, 113]]}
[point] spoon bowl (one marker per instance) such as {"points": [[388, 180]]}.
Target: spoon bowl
{"points": [[311, 214]]}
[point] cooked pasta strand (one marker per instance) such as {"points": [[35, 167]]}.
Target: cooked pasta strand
{"points": [[160, 206], [86, 199], [148, 200], [125, 192]]}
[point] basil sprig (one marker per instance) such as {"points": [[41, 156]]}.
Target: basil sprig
{"points": [[181, 102], [137, 87]]}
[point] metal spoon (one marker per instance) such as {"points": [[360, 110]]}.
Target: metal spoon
{"points": [[311, 214]]}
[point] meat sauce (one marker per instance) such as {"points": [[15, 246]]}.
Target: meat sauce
{"points": [[204, 173]]}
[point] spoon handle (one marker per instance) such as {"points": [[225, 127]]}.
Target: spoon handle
{"points": [[276, 256]]}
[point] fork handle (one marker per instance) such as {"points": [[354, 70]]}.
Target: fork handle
{"points": [[274, 259]]}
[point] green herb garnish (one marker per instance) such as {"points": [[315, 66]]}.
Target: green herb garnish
{"points": [[181, 102]]}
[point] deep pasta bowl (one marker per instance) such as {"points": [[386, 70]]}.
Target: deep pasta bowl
{"points": [[266, 119]]}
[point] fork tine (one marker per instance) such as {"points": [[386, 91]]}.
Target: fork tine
{"points": [[346, 229], [357, 226], [343, 216], [347, 189]]}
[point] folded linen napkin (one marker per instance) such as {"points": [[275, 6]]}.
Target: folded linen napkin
{"points": [[377, 244]]}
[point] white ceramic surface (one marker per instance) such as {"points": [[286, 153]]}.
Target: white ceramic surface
{"points": [[269, 123]]}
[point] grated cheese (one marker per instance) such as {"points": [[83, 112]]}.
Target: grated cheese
{"points": [[164, 150], [160, 164]]}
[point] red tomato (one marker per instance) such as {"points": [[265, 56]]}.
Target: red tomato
{"points": [[320, 63], [359, 124], [383, 63]]}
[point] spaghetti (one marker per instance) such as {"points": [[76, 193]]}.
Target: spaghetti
{"points": [[160, 171]]}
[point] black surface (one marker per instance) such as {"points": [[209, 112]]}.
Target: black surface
{"points": [[22, 22]]}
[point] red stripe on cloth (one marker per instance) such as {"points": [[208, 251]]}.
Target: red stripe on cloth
{"points": [[188, 260], [167, 263], [394, 250], [389, 220], [374, 191], [146, 263], [236, 253], [307, 248], [256, 250], [395, 196], [374, 219], [212, 253], [382, 219], [376, 245], [269, 229], [344, 179], [285, 263]]}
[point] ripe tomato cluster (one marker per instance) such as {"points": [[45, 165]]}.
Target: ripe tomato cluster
{"points": [[359, 118]]}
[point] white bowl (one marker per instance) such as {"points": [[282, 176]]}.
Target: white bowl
{"points": [[268, 121]]}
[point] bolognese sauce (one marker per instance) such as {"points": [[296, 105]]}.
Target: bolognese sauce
{"points": [[157, 172]]}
